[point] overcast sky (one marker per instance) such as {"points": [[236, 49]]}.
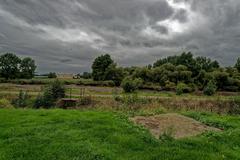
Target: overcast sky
{"points": [[66, 35]]}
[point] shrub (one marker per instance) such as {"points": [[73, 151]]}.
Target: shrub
{"points": [[182, 88], [210, 89], [4, 103], [50, 96], [170, 86], [21, 101], [130, 85], [39, 102], [52, 75], [235, 106]]}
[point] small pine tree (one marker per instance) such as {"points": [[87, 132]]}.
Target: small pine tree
{"points": [[210, 89], [21, 101], [51, 94]]}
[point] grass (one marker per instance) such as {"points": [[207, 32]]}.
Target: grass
{"points": [[96, 135]]}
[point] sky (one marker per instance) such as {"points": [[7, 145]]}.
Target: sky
{"points": [[66, 35]]}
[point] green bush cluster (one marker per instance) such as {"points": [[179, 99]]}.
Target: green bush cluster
{"points": [[130, 84], [210, 89], [22, 100], [170, 72], [51, 94]]}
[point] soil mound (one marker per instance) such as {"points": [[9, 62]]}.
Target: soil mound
{"points": [[179, 126]]}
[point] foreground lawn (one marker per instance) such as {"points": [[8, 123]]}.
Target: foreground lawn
{"points": [[93, 135]]}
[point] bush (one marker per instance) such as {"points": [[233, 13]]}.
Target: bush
{"points": [[4, 103], [39, 102], [52, 75], [170, 86], [21, 101], [210, 89], [235, 106], [130, 85], [50, 96], [182, 88]]}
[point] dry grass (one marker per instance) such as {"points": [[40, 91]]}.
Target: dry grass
{"points": [[177, 125]]}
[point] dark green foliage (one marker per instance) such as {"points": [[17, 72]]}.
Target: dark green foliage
{"points": [[100, 66], [21, 101], [210, 89], [12, 67], [39, 102], [237, 65], [27, 68], [182, 88], [9, 66], [114, 73], [52, 75], [130, 84], [57, 89], [51, 94], [86, 75]]}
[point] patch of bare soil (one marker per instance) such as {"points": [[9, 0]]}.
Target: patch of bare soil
{"points": [[179, 125]]}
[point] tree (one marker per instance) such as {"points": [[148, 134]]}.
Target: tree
{"points": [[27, 68], [52, 75], [86, 75], [100, 65], [9, 66], [237, 65], [210, 89], [114, 73]]}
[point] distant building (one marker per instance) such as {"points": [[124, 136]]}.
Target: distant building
{"points": [[65, 76]]}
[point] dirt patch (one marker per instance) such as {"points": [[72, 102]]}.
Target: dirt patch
{"points": [[179, 125]]}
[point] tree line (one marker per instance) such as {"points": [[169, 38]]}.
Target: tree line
{"points": [[183, 72], [12, 67]]}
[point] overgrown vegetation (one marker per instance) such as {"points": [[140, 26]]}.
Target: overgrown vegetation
{"points": [[195, 72]]}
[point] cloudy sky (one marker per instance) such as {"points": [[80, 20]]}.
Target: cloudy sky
{"points": [[66, 35]]}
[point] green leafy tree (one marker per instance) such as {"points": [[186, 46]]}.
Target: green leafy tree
{"points": [[27, 68], [144, 73], [100, 66], [9, 66], [237, 65], [115, 74]]}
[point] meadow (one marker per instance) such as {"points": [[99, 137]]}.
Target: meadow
{"points": [[101, 129], [86, 135]]}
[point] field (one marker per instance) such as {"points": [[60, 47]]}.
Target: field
{"points": [[145, 125], [60, 134]]}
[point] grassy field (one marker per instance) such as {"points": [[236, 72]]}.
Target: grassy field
{"points": [[96, 135], [13, 89]]}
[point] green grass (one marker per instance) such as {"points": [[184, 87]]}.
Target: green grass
{"points": [[95, 135]]}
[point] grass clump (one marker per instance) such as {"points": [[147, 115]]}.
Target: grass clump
{"points": [[4, 103]]}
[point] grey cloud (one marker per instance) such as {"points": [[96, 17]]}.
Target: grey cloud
{"points": [[65, 36]]}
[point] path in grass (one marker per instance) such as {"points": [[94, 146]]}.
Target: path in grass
{"points": [[94, 135]]}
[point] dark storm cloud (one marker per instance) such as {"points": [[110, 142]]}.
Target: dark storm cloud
{"points": [[65, 36]]}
